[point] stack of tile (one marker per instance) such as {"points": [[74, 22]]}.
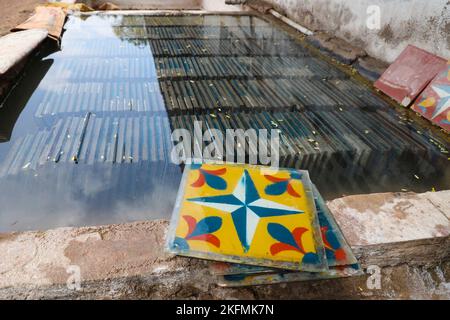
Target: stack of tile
{"points": [[262, 225], [92, 140], [332, 145], [254, 95], [72, 98]]}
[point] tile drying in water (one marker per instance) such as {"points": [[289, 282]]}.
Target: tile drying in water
{"points": [[86, 133]]}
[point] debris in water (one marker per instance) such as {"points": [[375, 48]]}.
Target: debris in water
{"points": [[27, 165]]}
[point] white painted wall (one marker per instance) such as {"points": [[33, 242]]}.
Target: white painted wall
{"points": [[424, 23], [219, 5]]}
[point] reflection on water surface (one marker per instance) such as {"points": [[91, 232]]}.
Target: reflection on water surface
{"points": [[85, 136]]}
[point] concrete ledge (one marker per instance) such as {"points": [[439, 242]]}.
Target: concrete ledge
{"points": [[15, 48], [38, 264], [129, 259], [105, 252], [395, 228], [339, 49], [382, 218], [426, 252], [440, 200]]}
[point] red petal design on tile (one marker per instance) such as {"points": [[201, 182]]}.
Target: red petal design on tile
{"points": [[291, 191], [297, 234], [340, 254], [199, 182], [209, 238], [278, 247], [217, 172], [323, 231], [191, 224], [274, 179]]}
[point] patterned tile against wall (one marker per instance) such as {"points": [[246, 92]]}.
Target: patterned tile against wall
{"points": [[434, 102]]}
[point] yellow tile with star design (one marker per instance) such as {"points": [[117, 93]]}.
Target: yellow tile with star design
{"points": [[247, 214]]}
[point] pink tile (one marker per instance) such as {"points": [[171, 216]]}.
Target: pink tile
{"points": [[409, 74]]}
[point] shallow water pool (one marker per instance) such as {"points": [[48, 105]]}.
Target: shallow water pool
{"points": [[85, 135]]}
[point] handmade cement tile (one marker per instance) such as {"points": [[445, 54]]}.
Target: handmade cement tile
{"points": [[338, 252], [241, 280], [227, 269], [410, 73], [434, 102], [247, 214]]}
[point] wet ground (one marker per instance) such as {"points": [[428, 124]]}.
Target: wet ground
{"points": [[85, 135]]}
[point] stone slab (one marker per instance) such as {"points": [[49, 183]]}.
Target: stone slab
{"points": [[16, 46], [383, 218], [440, 200]]}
